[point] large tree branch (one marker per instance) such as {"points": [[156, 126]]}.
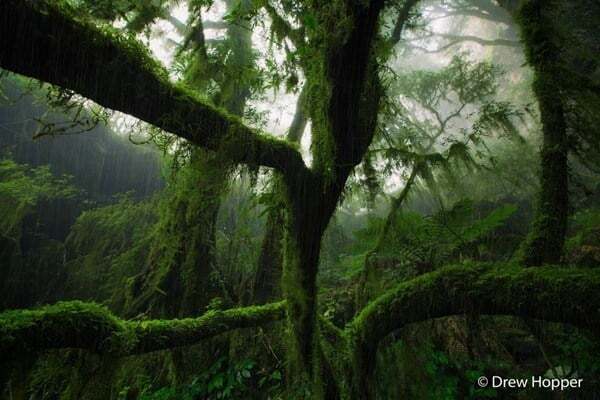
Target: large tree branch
{"points": [[92, 327], [566, 295], [44, 40]]}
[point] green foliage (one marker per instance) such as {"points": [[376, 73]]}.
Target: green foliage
{"points": [[107, 246], [442, 121], [427, 371], [581, 247], [22, 187], [421, 243], [577, 355], [120, 225], [223, 381], [238, 241], [137, 14]]}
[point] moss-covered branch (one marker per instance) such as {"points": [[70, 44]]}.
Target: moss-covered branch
{"points": [[559, 294], [92, 327], [48, 41]]}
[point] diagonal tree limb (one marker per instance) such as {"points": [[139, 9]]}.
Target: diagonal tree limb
{"points": [[401, 20], [45, 40]]}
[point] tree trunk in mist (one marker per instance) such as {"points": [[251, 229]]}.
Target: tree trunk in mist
{"points": [[270, 262], [267, 284], [546, 240]]}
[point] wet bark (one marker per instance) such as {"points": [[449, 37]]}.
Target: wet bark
{"points": [[546, 240], [270, 262]]}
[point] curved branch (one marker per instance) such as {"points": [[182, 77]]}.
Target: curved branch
{"points": [[92, 327], [46, 41], [498, 18], [556, 294]]}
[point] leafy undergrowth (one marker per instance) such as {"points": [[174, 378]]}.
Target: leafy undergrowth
{"points": [[222, 381]]}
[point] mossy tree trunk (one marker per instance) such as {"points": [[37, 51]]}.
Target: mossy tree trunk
{"points": [[344, 93], [546, 240], [343, 87], [267, 282], [270, 262], [191, 227]]}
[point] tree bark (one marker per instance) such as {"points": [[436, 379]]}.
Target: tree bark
{"points": [[270, 262], [267, 284], [546, 240]]}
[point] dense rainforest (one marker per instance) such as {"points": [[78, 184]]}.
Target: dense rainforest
{"points": [[299, 199]]}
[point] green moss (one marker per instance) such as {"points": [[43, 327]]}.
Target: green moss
{"points": [[546, 240], [92, 327]]}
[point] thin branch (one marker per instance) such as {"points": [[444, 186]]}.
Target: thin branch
{"points": [[215, 25], [180, 26], [458, 39]]}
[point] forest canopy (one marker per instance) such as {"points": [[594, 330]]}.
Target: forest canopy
{"points": [[296, 199]]}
